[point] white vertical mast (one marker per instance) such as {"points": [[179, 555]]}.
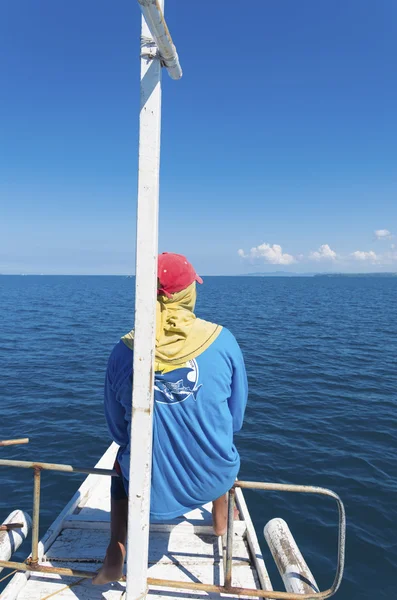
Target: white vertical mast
{"points": [[154, 39]]}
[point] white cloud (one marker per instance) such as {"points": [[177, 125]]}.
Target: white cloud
{"points": [[364, 256], [323, 253], [383, 234], [271, 254], [274, 255]]}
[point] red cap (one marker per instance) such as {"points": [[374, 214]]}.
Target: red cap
{"points": [[175, 273]]}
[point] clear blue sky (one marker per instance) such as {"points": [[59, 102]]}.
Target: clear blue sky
{"points": [[282, 133]]}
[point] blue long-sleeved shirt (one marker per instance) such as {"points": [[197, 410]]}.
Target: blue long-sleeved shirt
{"points": [[197, 409]]}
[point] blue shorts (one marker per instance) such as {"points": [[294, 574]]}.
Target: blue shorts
{"points": [[119, 485]]}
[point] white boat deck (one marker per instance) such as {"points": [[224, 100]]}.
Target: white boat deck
{"points": [[184, 549]]}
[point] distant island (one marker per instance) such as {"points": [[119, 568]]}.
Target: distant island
{"points": [[278, 274], [356, 275], [292, 274]]}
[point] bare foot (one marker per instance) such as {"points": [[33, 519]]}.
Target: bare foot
{"points": [[112, 568]]}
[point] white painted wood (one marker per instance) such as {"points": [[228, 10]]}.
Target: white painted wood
{"points": [[180, 544], [11, 540], [244, 576], [151, 10], [97, 508], [145, 320], [199, 516], [256, 554], [189, 528], [296, 575]]}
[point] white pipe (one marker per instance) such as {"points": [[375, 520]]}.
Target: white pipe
{"points": [[292, 567], [145, 321], [11, 540], [153, 14]]}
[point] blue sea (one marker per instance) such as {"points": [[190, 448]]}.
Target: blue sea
{"points": [[321, 356]]}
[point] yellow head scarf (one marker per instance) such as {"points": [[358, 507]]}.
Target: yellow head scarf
{"points": [[180, 335]]}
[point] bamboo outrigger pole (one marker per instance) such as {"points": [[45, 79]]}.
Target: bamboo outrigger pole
{"points": [[152, 11], [157, 49]]}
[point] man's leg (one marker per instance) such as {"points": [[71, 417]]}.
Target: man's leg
{"points": [[112, 568], [219, 514]]}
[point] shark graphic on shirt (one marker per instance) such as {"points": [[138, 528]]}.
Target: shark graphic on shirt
{"points": [[178, 385]]}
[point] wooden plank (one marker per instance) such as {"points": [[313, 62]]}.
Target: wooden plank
{"points": [[181, 545], [253, 543], [97, 509], [81, 523]]}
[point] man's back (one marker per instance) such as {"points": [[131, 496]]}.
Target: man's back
{"points": [[197, 408]]}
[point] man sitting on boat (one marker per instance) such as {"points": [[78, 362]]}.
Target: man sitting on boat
{"points": [[200, 395]]}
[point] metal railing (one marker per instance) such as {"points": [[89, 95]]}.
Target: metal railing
{"points": [[32, 563]]}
